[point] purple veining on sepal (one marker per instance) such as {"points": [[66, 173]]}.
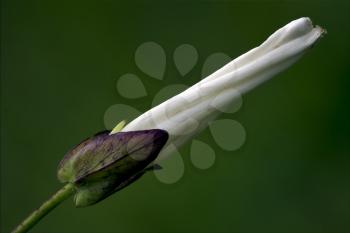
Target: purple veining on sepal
{"points": [[104, 152]]}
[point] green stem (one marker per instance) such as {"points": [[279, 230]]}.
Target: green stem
{"points": [[45, 208]]}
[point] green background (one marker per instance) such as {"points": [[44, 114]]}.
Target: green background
{"points": [[60, 62]]}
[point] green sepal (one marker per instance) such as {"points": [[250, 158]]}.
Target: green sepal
{"points": [[104, 163]]}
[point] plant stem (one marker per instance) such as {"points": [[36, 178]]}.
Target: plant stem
{"points": [[45, 208]]}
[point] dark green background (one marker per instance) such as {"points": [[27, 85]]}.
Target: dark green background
{"points": [[60, 61]]}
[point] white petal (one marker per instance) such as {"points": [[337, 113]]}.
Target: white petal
{"points": [[190, 111]]}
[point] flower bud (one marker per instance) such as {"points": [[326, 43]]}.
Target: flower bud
{"points": [[106, 163]]}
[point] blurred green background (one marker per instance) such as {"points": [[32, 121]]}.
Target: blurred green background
{"points": [[59, 64]]}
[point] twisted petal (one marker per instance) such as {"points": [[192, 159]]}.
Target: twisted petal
{"points": [[187, 113]]}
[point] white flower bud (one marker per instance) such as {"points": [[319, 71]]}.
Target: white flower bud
{"points": [[185, 114]]}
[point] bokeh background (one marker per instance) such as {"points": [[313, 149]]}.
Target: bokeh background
{"points": [[59, 65]]}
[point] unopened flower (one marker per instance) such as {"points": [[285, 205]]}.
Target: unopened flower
{"points": [[107, 162]]}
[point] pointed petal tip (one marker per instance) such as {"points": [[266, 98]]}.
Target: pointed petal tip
{"points": [[307, 25], [160, 136], [161, 132], [302, 30]]}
